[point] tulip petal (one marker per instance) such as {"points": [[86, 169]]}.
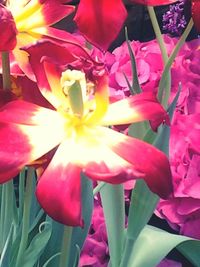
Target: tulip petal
{"points": [[153, 2], [101, 100], [196, 13], [21, 57], [20, 142], [145, 158], [136, 108], [100, 21], [26, 113], [59, 190], [8, 29], [15, 151], [37, 13]]}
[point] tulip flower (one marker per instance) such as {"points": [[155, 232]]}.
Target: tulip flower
{"points": [[103, 21], [106, 18], [31, 20], [76, 127]]}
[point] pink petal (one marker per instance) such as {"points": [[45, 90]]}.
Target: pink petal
{"points": [[154, 2], [26, 113], [136, 108], [23, 135], [100, 21], [39, 13], [59, 190], [150, 163], [7, 29], [15, 151], [196, 13], [54, 11]]}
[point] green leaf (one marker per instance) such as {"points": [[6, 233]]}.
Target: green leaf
{"points": [[79, 235], [5, 255], [37, 245], [112, 197], [138, 129], [77, 257], [152, 245], [135, 88], [142, 206], [191, 250], [54, 244]]}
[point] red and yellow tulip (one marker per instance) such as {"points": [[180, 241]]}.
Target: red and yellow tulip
{"points": [[77, 128], [32, 20]]}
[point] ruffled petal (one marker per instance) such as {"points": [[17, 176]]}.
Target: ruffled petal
{"points": [[196, 13], [59, 190], [152, 164], [136, 108], [21, 57], [153, 2], [100, 21]]}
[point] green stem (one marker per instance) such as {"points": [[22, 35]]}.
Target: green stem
{"points": [[158, 33], [7, 208], [112, 197], [26, 216], [66, 246], [98, 188], [170, 61], [6, 70], [154, 21]]}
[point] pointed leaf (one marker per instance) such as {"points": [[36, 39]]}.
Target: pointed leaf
{"points": [[112, 197], [152, 246], [37, 246], [79, 235]]}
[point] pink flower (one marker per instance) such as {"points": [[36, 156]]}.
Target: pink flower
{"points": [[183, 210], [169, 263], [185, 70], [95, 250]]}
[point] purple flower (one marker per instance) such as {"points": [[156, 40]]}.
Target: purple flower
{"points": [[174, 20]]}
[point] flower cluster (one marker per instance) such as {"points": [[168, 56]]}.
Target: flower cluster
{"points": [[174, 19], [182, 211]]}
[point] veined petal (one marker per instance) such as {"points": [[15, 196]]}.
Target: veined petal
{"points": [[196, 13], [146, 159], [153, 2], [135, 108], [62, 54], [59, 189], [105, 19]]}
